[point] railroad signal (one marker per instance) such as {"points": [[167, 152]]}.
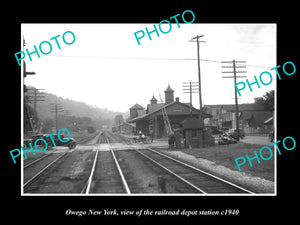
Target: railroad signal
{"points": [[25, 72]]}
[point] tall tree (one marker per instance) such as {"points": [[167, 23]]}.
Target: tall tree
{"points": [[269, 100]]}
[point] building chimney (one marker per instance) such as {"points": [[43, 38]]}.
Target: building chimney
{"points": [[177, 99]]}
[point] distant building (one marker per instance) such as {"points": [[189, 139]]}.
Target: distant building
{"points": [[150, 120], [125, 128], [136, 110], [252, 117]]}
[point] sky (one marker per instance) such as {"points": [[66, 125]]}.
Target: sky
{"points": [[107, 68]]}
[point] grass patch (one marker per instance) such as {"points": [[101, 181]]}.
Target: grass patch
{"points": [[226, 154]]}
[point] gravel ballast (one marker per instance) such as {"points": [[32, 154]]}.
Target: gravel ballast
{"points": [[254, 184]]}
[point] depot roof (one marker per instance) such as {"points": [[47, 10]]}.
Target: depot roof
{"points": [[192, 123], [173, 108], [137, 106]]}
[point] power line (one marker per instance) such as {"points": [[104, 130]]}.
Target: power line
{"points": [[135, 58], [125, 58], [269, 67]]}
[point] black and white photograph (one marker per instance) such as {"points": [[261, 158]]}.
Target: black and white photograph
{"points": [[141, 116], [134, 114]]}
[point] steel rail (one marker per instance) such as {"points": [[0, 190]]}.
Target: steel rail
{"points": [[201, 171], [89, 183], [41, 171], [49, 154], [35, 161], [172, 173], [228, 183], [86, 139], [124, 182]]}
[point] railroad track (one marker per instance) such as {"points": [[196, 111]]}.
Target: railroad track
{"points": [[119, 172], [89, 138], [106, 175], [197, 180], [82, 141], [33, 171], [41, 165]]}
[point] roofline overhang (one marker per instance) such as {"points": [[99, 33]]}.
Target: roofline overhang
{"points": [[168, 105]]}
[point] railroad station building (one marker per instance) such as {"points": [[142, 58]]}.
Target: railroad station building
{"points": [[150, 120]]}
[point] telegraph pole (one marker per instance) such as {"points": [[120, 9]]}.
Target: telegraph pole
{"points": [[190, 87], [234, 66], [66, 113], [199, 81], [58, 107], [196, 39], [36, 97]]}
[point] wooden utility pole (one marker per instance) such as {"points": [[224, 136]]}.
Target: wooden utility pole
{"points": [[66, 113], [190, 87], [58, 107], [35, 96], [196, 39], [234, 66]]}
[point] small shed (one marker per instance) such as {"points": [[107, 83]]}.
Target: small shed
{"points": [[194, 133]]}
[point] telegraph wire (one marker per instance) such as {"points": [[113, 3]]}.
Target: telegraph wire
{"points": [[133, 58], [125, 58]]}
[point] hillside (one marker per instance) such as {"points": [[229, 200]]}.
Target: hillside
{"points": [[73, 111]]}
